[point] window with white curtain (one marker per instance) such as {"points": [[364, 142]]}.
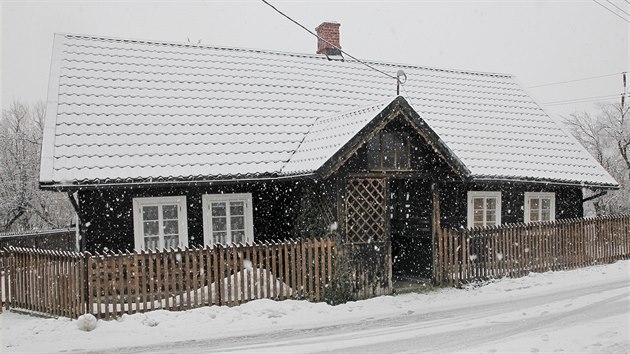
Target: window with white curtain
{"points": [[484, 209], [540, 207], [160, 223], [227, 218]]}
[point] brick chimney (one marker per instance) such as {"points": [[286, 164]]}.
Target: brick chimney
{"points": [[330, 32]]}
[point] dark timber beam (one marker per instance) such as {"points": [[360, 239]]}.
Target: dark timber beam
{"points": [[435, 232], [81, 220]]}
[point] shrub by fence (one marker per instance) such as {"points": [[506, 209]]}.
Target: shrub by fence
{"points": [[109, 285], [514, 250]]}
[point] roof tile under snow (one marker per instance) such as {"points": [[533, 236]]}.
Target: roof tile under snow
{"points": [[133, 110]]}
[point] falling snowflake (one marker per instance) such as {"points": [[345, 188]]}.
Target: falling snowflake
{"points": [[499, 256], [472, 257]]}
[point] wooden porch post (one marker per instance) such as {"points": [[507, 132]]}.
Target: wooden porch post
{"points": [[388, 239], [436, 230]]}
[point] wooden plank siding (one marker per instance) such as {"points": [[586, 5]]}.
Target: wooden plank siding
{"points": [[277, 205], [515, 250]]}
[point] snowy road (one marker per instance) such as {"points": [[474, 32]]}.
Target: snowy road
{"points": [[580, 311], [465, 328]]}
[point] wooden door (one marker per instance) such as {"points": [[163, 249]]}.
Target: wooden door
{"points": [[410, 210]]}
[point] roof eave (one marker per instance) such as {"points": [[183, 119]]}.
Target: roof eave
{"points": [[582, 184], [157, 182]]}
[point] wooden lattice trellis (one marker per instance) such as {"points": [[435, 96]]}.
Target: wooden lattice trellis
{"points": [[325, 209], [366, 209]]}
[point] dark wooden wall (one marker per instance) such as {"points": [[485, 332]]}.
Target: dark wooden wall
{"points": [[454, 199], [108, 218]]}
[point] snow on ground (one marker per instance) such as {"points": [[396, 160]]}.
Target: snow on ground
{"points": [[584, 310]]}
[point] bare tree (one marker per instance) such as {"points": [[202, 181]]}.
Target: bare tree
{"points": [[22, 204], [606, 136]]}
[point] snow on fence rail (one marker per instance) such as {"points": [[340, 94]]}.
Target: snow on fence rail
{"points": [[109, 285], [514, 250]]}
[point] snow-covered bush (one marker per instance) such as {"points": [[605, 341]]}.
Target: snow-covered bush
{"points": [[86, 322]]}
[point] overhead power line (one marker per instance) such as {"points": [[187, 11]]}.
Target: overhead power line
{"points": [[330, 44], [575, 80], [611, 11], [617, 7], [584, 100]]}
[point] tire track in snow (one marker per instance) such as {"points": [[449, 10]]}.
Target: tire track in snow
{"points": [[426, 331]]}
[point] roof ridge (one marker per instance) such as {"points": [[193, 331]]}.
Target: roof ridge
{"points": [[277, 52]]}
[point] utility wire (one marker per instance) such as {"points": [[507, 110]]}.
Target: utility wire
{"points": [[584, 100], [617, 7], [564, 82], [406, 94], [611, 11], [330, 44]]}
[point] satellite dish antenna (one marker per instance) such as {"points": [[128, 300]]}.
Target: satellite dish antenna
{"points": [[401, 78]]}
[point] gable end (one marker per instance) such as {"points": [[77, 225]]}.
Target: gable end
{"points": [[399, 107]]}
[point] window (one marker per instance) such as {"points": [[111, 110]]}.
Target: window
{"points": [[388, 151], [227, 219], [160, 223], [484, 209], [540, 207]]}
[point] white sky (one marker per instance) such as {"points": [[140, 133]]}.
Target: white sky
{"points": [[538, 41]]}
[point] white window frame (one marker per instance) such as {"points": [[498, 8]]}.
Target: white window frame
{"points": [[206, 199], [483, 194], [544, 195], [182, 217]]}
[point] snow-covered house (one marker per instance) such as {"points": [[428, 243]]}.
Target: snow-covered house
{"points": [[170, 144]]}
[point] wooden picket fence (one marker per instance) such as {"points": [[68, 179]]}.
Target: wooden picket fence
{"points": [[109, 285], [43, 281], [515, 250]]}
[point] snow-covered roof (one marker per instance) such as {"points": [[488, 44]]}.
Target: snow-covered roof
{"points": [[328, 134], [127, 110]]}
